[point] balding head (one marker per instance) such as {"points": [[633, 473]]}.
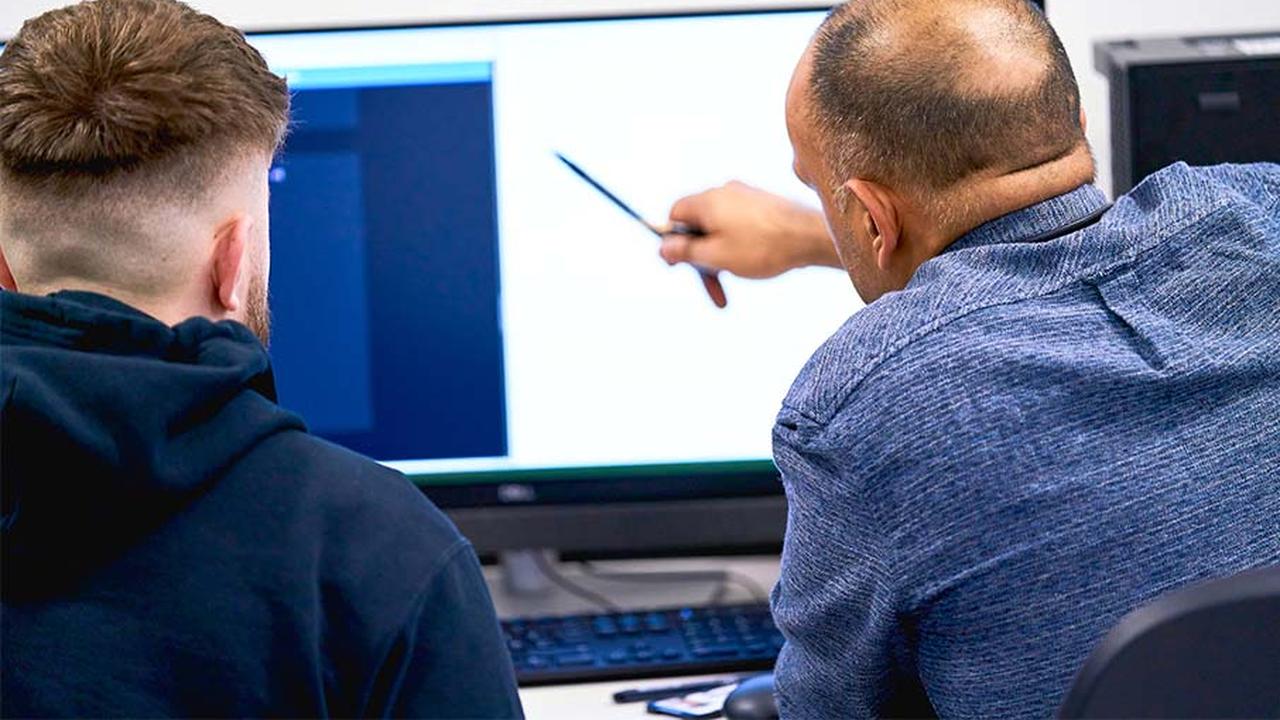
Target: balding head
{"points": [[924, 93], [936, 116]]}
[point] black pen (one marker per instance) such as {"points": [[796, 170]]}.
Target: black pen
{"points": [[709, 279], [677, 228], [669, 691]]}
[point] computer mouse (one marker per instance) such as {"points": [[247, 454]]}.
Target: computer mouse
{"points": [[752, 700]]}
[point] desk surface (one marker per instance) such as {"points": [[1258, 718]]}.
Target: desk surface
{"points": [[595, 700]]}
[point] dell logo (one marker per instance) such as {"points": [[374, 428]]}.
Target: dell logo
{"points": [[512, 493]]}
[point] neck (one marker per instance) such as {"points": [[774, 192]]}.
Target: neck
{"points": [[932, 226], [988, 197], [167, 310]]}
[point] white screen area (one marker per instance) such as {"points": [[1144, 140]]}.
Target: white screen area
{"points": [[611, 357]]}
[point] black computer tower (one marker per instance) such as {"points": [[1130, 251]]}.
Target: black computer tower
{"points": [[1203, 100]]}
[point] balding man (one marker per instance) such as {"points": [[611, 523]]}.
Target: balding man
{"points": [[1049, 412]]}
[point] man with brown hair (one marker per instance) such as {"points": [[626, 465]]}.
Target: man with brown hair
{"points": [[174, 543]]}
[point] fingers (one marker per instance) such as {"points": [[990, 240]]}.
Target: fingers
{"points": [[701, 210], [675, 249], [709, 251]]}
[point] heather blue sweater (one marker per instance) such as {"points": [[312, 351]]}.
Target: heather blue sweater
{"points": [[989, 468], [175, 544]]}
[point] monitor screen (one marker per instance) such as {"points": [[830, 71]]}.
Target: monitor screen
{"points": [[449, 299]]}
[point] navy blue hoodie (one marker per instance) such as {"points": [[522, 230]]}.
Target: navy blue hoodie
{"points": [[174, 543]]}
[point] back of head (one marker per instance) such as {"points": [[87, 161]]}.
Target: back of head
{"points": [[118, 118], [923, 94]]}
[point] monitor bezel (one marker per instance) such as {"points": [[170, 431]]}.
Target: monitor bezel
{"points": [[569, 18]]}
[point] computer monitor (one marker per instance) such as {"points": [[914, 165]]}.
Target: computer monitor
{"points": [[450, 299]]}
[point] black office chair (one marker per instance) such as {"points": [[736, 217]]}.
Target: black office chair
{"points": [[1210, 650]]}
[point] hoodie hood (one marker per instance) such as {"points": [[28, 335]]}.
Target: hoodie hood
{"points": [[111, 421]]}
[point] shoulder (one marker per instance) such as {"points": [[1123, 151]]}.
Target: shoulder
{"points": [[1218, 202], [355, 549], [902, 339], [1176, 210], [1228, 184], [356, 508], [860, 347], [359, 532], [968, 393]]}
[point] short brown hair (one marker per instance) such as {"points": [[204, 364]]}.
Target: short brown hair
{"points": [[893, 92], [116, 118], [113, 86]]}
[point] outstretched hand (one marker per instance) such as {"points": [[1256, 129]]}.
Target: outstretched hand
{"points": [[748, 232]]}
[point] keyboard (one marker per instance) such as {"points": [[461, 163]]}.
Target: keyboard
{"points": [[652, 643]]}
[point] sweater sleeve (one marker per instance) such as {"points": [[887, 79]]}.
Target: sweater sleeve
{"points": [[847, 652]]}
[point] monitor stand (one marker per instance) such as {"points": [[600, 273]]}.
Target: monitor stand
{"points": [[524, 572]]}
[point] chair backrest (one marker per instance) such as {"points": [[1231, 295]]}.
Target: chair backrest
{"points": [[1210, 650]]}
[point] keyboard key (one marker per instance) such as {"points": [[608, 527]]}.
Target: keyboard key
{"points": [[575, 659], [717, 651]]}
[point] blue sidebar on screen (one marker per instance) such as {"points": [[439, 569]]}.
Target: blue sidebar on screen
{"points": [[386, 330]]}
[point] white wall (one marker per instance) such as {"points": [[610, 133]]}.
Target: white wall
{"points": [[1080, 22]]}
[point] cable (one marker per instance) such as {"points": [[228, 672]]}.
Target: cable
{"points": [[722, 579], [569, 586], [748, 583], [671, 577]]}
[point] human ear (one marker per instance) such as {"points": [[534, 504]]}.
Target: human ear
{"points": [[230, 244], [884, 222]]}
